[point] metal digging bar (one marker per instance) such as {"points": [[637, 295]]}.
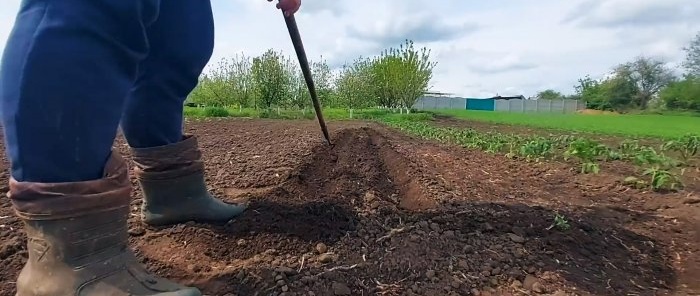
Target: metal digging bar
{"points": [[304, 63]]}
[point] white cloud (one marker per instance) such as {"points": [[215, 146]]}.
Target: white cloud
{"points": [[482, 48]]}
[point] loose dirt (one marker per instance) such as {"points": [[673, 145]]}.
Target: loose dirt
{"points": [[381, 213]]}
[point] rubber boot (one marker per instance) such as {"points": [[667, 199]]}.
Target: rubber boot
{"points": [[77, 239], [174, 189]]}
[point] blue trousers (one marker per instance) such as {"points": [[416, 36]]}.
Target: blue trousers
{"points": [[74, 70]]}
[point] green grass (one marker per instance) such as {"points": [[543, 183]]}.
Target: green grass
{"points": [[659, 126]]}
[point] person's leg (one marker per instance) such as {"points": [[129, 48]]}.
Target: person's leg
{"points": [[64, 76], [169, 165]]}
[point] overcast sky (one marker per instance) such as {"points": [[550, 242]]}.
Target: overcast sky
{"points": [[482, 48]]}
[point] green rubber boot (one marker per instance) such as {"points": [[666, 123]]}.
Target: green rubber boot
{"points": [[78, 241], [174, 189]]}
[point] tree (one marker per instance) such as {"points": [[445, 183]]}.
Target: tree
{"points": [[242, 81], [684, 94], [590, 91], [692, 59], [618, 93], [401, 75], [549, 94], [272, 81], [354, 85], [323, 81], [649, 75]]}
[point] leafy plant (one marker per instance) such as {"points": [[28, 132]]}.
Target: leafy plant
{"points": [[687, 146], [587, 151], [536, 149], [590, 167], [629, 147], [649, 156], [560, 223], [662, 179]]}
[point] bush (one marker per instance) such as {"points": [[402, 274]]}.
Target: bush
{"points": [[215, 112], [682, 95]]}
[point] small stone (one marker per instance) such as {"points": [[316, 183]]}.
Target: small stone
{"points": [[430, 274], [414, 237], [285, 270], [340, 289], [691, 200], [467, 249], [455, 284], [325, 258], [279, 277], [494, 281], [321, 248], [529, 282], [448, 234], [516, 238], [241, 275], [370, 196], [463, 264], [538, 288], [285, 288], [488, 227], [496, 271], [531, 269], [280, 283], [630, 180], [139, 231], [424, 225], [559, 293], [516, 284], [435, 227], [311, 293], [519, 253], [308, 279], [475, 292]]}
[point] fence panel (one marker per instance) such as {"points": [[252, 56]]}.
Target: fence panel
{"points": [[481, 104], [514, 105]]}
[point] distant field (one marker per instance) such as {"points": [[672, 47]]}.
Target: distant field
{"points": [[663, 126]]}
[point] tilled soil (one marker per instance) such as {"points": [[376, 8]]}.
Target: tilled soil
{"points": [[381, 213]]}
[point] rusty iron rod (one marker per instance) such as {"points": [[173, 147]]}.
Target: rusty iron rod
{"points": [[306, 70]]}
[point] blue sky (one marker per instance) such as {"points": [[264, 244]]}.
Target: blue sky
{"points": [[504, 47]]}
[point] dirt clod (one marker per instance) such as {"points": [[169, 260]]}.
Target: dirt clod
{"points": [[325, 258], [691, 200], [516, 238], [341, 289], [321, 248], [538, 287], [529, 282]]}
